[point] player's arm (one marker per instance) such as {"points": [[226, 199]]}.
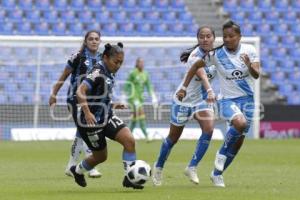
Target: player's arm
{"points": [[59, 83], [150, 90], [210, 93], [81, 94], [190, 74]]}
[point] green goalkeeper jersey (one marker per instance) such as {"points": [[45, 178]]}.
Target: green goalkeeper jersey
{"points": [[136, 82]]}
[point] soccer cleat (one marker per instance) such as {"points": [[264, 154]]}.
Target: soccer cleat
{"points": [[218, 180], [94, 173], [220, 161], [157, 175], [128, 184], [79, 178], [191, 173]]}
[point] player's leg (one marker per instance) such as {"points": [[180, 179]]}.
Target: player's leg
{"points": [[142, 121], [179, 116], [205, 119], [93, 173], [75, 153], [133, 120]]}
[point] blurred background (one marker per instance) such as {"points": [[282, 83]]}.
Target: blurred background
{"points": [[38, 36]]}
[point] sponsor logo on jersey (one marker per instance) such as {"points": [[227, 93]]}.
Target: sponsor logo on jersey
{"points": [[237, 75]]}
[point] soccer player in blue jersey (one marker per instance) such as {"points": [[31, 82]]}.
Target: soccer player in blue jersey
{"points": [[198, 103], [237, 67], [97, 120], [78, 66]]}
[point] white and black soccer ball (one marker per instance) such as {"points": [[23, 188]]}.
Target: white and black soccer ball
{"points": [[139, 173]]}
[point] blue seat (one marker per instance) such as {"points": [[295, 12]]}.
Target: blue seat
{"points": [[176, 29], [270, 41], [295, 5], [110, 29], [41, 29], [278, 77], [127, 29], [8, 4], [279, 53], [248, 29], [24, 28], [85, 17], [178, 5], [168, 16], [190, 30], [104, 16], [263, 29], [286, 88], [143, 29], [76, 29], [59, 28], [112, 5], [43, 5], [161, 5], [295, 29], [15, 15], [160, 29], [119, 16], [67, 16], [295, 54], [136, 17], [287, 65], [6, 28], [239, 16], [230, 5], [25, 4], [294, 77], [281, 29], [289, 41], [130, 5], [50, 16], [265, 5], [145, 5], [294, 98], [60, 5], [247, 5], [272, 17], [289, 16], [94, 5], [152, 17], [77, 5], [2, 15], [33, 16], [255, 17], [93, 26], [185, 17], [281, 5], [269, 64]]}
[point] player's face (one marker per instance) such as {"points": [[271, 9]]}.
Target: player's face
{"points": [[93, 42], [140, 64], [206, 39], [114, 62], [231, 39]]}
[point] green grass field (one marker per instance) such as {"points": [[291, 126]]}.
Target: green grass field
{"points": [[264, 169]]}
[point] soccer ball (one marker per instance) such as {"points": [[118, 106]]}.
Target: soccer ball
{"points": [[139, 173]]}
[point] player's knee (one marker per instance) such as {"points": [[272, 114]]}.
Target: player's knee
{"points": [[129, 144]]}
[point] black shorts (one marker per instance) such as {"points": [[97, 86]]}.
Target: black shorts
{"points": [[95, 137]]}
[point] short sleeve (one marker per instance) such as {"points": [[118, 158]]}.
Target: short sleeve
{"points": [[94, 78], [73, 61]]}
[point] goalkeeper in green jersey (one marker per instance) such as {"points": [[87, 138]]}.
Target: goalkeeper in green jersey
{"points": [[137, 80]]}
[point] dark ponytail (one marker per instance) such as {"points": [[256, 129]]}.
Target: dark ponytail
{"points": [[112, 50], [185, 55]]}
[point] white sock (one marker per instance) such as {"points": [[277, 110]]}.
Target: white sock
{"points": [[87, 151], [75, 151]]}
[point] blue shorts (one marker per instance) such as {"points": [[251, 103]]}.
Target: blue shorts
{"points": [[180, 114], [229, 108]]}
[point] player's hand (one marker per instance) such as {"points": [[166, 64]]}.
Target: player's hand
{"points": [[90, 119], [211, 97], [120, 106], [52, 100], [181, 94], [246, 59]]}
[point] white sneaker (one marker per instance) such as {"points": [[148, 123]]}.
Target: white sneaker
{"points": [[94, 173], [218, 181], [156, 175], [191, 173], [68, 172], [220, 161]]}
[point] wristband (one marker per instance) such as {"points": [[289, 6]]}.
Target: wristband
{"points": [[209, 90], [183, 88]]}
